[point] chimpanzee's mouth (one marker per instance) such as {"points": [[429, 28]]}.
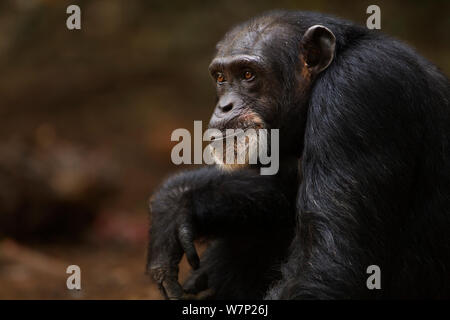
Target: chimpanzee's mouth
{"points": [[249, 120], [236, 133]]}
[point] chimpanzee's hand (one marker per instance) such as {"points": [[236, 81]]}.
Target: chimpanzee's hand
{"points": [[171, 235]]}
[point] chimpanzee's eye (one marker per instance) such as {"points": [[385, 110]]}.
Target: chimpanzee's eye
{"points": [[220, 78], [248, 75]]}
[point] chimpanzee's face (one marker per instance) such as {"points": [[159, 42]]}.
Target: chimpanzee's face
{"points": [[263, 72], [248, 90], [240, 81], [246, 85]]}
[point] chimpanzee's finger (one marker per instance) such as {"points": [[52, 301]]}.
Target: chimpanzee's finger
{"points": [[196, 282], [167, 279], [172, 289], [186, 238]]}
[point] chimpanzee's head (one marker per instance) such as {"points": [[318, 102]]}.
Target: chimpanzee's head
{"points": [[264, 70]]}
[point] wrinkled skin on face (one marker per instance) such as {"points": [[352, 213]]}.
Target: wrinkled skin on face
{"points": [[263, 72], [248, 83]]}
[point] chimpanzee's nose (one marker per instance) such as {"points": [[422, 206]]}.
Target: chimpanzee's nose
{"points": [[225, 103], [226, 108]]}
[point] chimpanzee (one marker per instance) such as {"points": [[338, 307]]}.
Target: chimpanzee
{"points": [[364, 177]]}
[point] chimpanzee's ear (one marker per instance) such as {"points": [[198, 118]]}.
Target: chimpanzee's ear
{"points": [[317, 48]]}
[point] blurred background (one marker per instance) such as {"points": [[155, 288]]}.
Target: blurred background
{"points": [[86, 117]]}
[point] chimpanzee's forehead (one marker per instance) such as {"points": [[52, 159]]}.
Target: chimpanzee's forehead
{"points": [[251, 39]]}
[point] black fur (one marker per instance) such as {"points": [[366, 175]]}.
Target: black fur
{"points": [[375, 186]]}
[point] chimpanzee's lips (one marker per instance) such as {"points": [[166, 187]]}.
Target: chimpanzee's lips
{"points": [[248, 120], [237, 130], [235, 125]]}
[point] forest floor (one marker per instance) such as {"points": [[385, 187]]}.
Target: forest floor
{"points": [[106, 272]]}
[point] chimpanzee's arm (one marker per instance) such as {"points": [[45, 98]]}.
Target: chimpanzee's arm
{"points": [[213, 202], [223, 203]]}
